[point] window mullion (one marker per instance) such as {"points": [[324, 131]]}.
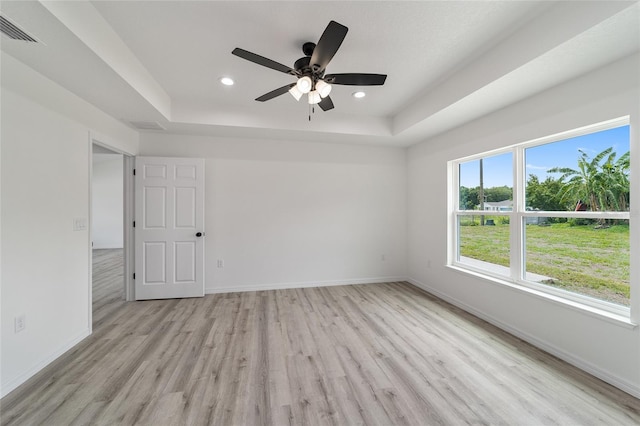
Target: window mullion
{"points": [[516, 237], [453, 176]]}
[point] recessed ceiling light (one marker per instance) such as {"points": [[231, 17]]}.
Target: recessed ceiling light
{"points": [[358, 95], [227, 81]]}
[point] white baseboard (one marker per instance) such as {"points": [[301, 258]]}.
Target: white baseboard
{"points": [[307, 284], [6, 388], [604, 375]]}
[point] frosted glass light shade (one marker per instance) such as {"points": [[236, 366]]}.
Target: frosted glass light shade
{"points": [[304, 84], [314, 97], [323, 88], [297, 94]]}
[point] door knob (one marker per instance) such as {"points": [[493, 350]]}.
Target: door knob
{"points": [[199, 234]]}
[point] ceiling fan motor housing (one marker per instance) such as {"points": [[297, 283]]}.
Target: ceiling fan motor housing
{"points": [[307, 48], [302, 66]]}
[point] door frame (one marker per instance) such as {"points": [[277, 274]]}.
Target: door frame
{"points": [[128, 215]]}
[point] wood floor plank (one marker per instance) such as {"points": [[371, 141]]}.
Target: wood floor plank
{"points": [[377, 354]]}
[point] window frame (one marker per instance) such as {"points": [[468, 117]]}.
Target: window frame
{"points": [[517, 222]]}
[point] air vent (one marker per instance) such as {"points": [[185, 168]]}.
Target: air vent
{"points": [[14, 32], [147, 125]]}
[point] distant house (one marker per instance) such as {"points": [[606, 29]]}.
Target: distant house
{"points": [[507, 206], [498, 206]]}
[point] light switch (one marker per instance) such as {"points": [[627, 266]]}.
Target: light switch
{"points": [[80, 224]]}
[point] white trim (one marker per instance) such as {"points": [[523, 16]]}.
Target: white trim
{"points": [[23, 377], [607, 311], [129, 234], [90, 237], [556, 137], [96, 139], [580, 131], [634, 225], [453, 235], [617, 381], [304, 284], [483, 212], [547, 213], [517, 259], [578, 214]]}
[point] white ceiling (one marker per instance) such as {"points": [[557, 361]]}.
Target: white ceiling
{"points": [[447, 62]]}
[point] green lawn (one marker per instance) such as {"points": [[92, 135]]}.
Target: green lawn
{"points": [[581, 259]]}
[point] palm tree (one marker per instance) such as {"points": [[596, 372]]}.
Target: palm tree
{"points": [[602, 182], [617, 180]]}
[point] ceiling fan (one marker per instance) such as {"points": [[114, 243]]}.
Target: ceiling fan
{"points": [[309, 70]]}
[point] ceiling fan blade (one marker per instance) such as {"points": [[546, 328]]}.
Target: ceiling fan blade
{"points": [[275, 93], [327, 46], [261, 60], [354, 79], [326, 104]]}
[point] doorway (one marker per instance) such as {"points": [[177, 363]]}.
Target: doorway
{"points": [[107, 232]]}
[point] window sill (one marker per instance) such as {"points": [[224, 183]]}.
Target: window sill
{"points": [[620, 320]]}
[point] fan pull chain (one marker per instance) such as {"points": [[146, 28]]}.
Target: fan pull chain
{"points": [[312, 110]]}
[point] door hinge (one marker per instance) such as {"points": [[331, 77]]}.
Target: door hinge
{"points": [[134, 275], [134, 223], [134, 172]]}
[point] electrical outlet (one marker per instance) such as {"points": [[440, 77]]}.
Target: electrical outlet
{"points": [[20, 323], [220, 263]]}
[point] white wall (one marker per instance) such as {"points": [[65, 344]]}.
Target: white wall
{"points": [[291, 214], [45, 186], [606, 349], [106, 201]]}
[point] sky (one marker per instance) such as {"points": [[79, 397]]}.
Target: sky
{"points": [[497, 170]]}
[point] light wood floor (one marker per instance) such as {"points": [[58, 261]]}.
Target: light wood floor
{"points": [[380, 354], [108, 284]]}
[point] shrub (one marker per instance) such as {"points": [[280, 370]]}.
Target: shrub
{"points": [[578, 221]]}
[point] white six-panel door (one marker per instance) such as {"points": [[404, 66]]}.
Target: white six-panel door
{"points": [[169, 228]]}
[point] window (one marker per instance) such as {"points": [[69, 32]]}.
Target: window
{"points": [[550, 214], [486, 189]]}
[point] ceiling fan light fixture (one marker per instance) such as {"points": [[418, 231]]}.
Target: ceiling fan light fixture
{"points": [[227, 81], [295, 92], [323, 88], [304, 84], [314, 97]]}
